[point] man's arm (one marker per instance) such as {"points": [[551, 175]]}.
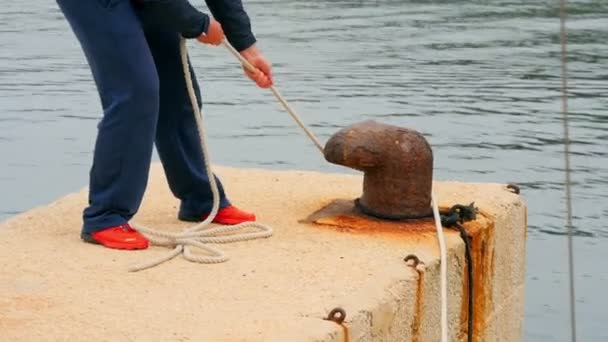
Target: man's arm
{"points": [[181, 16], [237, 26], [175, 15], [235, 22]]}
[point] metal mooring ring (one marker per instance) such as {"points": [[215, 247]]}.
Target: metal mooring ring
{"points": [[337, 315], [414, 258], [514, 188]]}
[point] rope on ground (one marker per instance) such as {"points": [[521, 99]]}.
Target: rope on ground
{"points": [[443, 270], [453, 218], [199, 236]]}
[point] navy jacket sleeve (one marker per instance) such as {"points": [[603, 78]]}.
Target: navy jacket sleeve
{"points": [[234, 20], [176, 15]]}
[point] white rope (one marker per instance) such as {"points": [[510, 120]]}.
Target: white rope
{"points": [[200, 235], [567, 169], [443, 270], [281, 99]]}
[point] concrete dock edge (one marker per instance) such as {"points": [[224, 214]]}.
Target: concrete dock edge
{"points": [[55, 287]]}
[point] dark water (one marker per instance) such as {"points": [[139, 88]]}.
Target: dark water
{"points": [[479, 78]]}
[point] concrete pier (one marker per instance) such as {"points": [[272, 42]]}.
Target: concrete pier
{"points": [[53, 287]]}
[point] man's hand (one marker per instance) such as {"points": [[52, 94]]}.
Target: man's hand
{"points": [[263, 73], [214, 35]]}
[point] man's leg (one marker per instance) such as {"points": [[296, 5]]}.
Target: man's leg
{"points": [[177, 139], [124, 72]]}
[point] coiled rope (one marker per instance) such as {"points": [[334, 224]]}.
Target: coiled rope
{"points": [[201, 235]]}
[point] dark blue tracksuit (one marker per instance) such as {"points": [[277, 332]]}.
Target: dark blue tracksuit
{"points": [[132, 48]]}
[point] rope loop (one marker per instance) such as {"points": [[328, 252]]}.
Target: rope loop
{"points": [[201, 235]]}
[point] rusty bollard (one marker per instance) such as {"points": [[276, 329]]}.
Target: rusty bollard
{"points": [[397, 164]]}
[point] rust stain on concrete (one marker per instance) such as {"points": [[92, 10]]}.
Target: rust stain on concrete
{"points": [[482, 253], [416, 321], [342, 215]]}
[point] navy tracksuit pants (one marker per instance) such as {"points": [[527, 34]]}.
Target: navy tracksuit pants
{"points": [[138, 73]]}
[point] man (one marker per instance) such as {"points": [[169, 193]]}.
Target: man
{"points": [[132, 48]]}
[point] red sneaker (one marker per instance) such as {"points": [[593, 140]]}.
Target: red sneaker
{"points": [[120, 237], [231, 215]]}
